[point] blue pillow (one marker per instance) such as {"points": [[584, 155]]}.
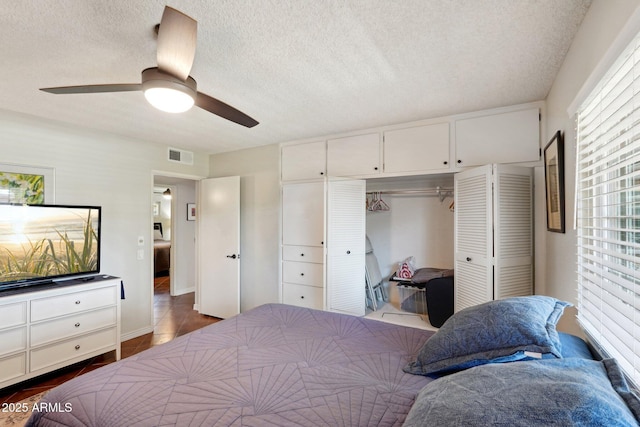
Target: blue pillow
{"points": [[507, 330], [564, 392]]}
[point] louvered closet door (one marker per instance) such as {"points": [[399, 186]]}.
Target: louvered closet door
{"points": [[513, 207], [473, 238], [345, 246]]}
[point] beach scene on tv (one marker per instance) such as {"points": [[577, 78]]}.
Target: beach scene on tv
{"points": [[47, 241]]}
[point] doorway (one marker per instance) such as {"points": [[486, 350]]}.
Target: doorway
{"points": [[173, 252]]}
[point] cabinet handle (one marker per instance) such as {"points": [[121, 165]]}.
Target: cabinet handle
{"points": [[375, 168], [468, 259], [302, 274], [77, 325], [348, 252], [446, 163], [301, 254], [78, 302], [302, 297], [321, 173], [459, 161], [78, 347]]}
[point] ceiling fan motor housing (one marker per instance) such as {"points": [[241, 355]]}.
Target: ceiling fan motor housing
{"points": [[154, 80]]}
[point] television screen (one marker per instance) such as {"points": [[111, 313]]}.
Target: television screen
{"points": [[39, 243]]}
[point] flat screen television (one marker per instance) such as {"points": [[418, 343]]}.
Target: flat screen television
{"points": [[40, 244]]}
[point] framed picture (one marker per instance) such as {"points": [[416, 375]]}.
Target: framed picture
{"points": [[26, 184], [554, 182], [191, 211]]}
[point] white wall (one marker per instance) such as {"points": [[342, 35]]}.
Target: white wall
{"points": [[94, 168], [183, 262], [259, 171], [601, 25]]}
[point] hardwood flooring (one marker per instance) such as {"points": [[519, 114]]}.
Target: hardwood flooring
{"points": [[174, 316]]}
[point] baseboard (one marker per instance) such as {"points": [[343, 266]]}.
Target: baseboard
{"points": [[135, 334]]}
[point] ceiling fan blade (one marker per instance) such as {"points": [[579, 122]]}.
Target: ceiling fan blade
{"points": [[176, 43], [223, 110], [124, 87]]}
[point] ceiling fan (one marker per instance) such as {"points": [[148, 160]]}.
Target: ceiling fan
{"points": [[168, 86]]}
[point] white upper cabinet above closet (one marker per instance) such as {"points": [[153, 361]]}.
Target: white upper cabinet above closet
{"points": [[303, 214], [354, 155], [304, 161], [415, 149], [510, 137]]}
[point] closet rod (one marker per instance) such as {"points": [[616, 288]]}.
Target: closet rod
{"points": [[430, 191]]}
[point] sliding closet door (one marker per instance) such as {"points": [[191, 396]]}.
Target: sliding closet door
{"points": [[513, 207], [473, 237], [346, 246]]}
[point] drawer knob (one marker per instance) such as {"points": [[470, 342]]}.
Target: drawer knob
{"points": [[348, 252], [301, 254], [302, 274], [77, 325], [78, 302], [78, 347], [302, 297]]}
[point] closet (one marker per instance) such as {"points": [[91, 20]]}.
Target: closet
{"points": [[323, 236], [493, 234]]}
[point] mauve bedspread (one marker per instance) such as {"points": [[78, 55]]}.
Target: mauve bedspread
{"points": [[273, 365]]}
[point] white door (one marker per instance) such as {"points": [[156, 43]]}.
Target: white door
{"points": [[218, 245], [513, 235], [346, 246], [473, 237]]}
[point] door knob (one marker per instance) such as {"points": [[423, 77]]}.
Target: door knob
{"points": [[234, 256]]}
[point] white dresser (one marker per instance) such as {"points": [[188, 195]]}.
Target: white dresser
{"points": [[46, 328]]}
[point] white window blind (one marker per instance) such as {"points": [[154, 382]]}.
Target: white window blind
{"points": [[608, 212]]}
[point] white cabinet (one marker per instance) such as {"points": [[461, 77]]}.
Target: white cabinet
{"points": [[510, 137], [493, 234], [303, 214], [334, 283], [303, 244], [354, 155], [304, 161], [416, 149], [44, 330]]}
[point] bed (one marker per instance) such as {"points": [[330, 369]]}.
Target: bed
{"points": [[499, 363], [161, 251], [273, 365]]}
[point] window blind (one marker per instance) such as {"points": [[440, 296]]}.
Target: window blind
{"points": [[608, 212]]}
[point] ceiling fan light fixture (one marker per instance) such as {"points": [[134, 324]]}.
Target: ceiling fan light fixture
{"points": [[168, 93]]}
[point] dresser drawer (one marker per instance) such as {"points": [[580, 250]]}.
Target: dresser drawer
{"points": [[302, 273], [302, 296], [12, 340], [303, 253], [69, 326], [46, 308], [13, 367], [76, 347], [13, 314]]}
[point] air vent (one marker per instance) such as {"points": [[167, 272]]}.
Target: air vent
{"points": [[180, 156]]}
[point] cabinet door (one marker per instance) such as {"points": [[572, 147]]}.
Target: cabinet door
{"points": [[303, 214], [513, 207], [346, 247], [354, 155], [304, 161], [499, 138], [473, 238], [419, 148]]}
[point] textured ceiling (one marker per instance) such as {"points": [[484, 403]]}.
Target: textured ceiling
{"points": [[302, 68]]}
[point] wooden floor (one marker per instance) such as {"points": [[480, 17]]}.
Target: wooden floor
{"points": [[174, 316]]}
